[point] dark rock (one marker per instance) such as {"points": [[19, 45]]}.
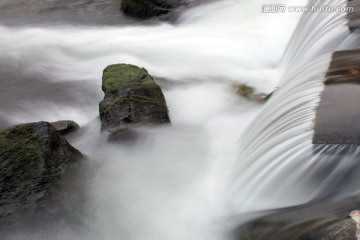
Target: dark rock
{"points": [[245, 90], [148, 8], [132, 98], [353, 15], [33, 157], [338, 113], [319, 221], [250, 93], [65, 126]]}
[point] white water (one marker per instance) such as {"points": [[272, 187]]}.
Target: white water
{"points": [[277, 148], [280, 167], [171, 182], [317, 33]]}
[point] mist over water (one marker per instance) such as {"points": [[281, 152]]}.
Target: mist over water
{"points": [[168, 182]]}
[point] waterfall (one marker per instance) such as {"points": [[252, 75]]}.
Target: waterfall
{"points": [[278, 164], [276, 144], [317, 33]]}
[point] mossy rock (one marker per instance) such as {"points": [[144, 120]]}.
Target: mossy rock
{"points": [[132, 97], [33, 157], [245, 90], [147, 8], [249, 92], [122, 75]]}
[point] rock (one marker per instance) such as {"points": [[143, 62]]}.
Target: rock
{"points": [[319, 221], [65, 126], [355, 215], [244, 90], [338, 112], [249, 92], [131, 98], [148, 8], [333, 228], [33, 157]]}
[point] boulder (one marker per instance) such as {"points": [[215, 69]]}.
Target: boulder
{"points": [[65, 126], [131, 98], [148, 8], [33, 158]]}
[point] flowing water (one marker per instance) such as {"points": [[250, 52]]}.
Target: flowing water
{"points": [[279, 165], [173, 182]]}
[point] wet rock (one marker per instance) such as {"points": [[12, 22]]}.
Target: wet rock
{"points": [[65, 126], [132, 98], [148, 8], [33, 158], [353, 16], [244, 90], [250, 93], [355, 215], [338, 113], [320, 221]]}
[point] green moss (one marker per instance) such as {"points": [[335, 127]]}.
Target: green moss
{"points": [[18, 139], [245, 90], [19, 136], [131, 97], [19, 153], [120, 75], [101, 108], [33, 157]]}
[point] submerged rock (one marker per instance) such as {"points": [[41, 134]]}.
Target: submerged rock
{"points": [[148, 8], [131, 98], [244, 90], [250, 93], [65, 126], [33, 157]]}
